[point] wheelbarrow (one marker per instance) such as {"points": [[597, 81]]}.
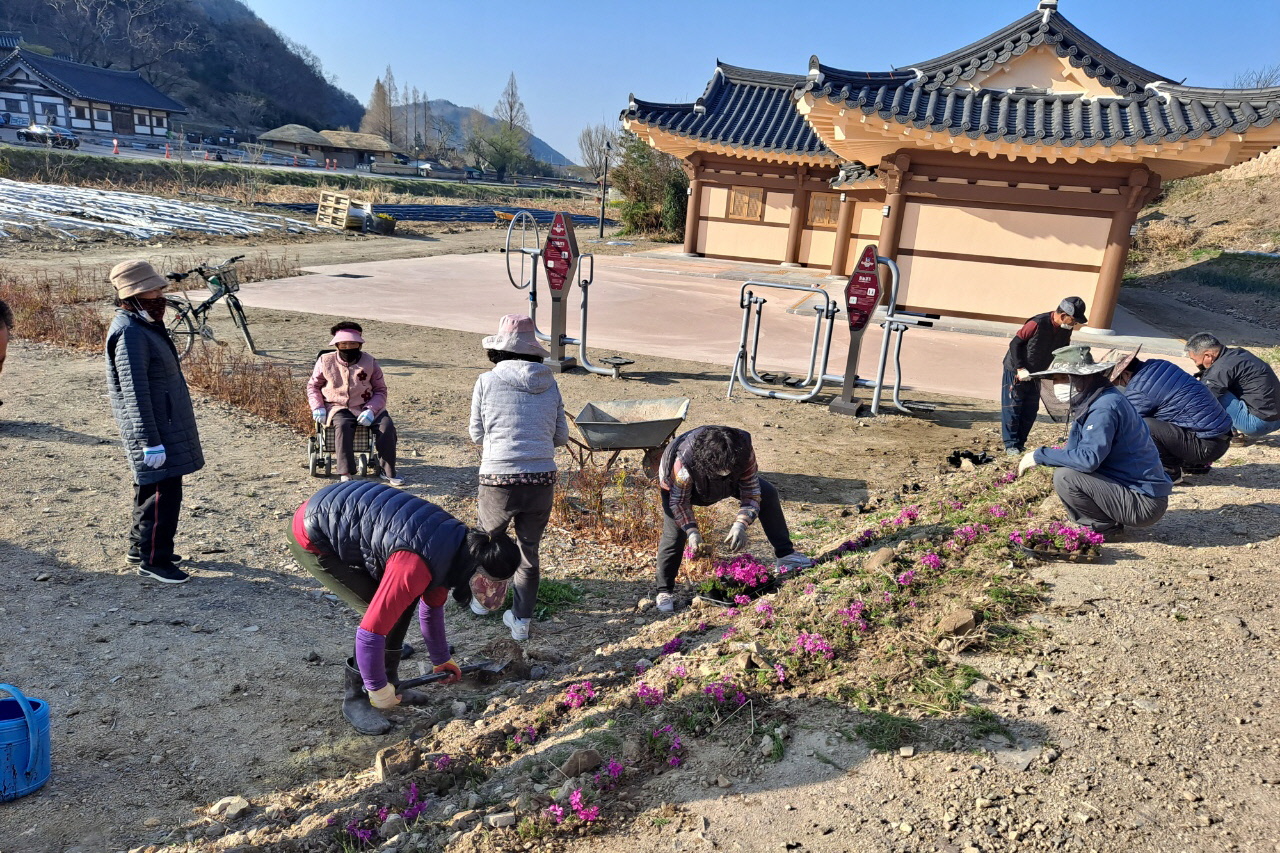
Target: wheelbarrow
{"points": [[618, 425]]}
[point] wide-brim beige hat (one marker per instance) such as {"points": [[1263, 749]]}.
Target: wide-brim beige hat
{"points": [[133, 277], [516, 333], [1122, 361], [1075, 361]]}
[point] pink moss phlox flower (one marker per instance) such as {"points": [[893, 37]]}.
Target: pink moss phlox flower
{"points": [[382, 814], [642, 667], [814, 644], [998, 511], [912, 603], [690, 554], [579, 694], [780, 672], [1006, 479], [931, 560], [888, 597], [556, 812], [742, 599], [764, 608], [354, 830], [810, 589], [589, 814], [443, 762], [853, 616], [745, 570], [907, 577], [729, 632], [702, 626], [860, 541], [650, 695], [575, 799], [908, 515], [614, 768], [672, 645], [679, 671], [731, 612]]}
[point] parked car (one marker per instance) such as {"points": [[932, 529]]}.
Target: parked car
{"points": [[48, 135]]}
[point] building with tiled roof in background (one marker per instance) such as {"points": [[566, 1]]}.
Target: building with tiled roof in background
{"points": [[1001, 177], [39, 89]]}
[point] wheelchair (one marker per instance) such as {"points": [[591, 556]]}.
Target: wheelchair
{"points": [[320, 455]]}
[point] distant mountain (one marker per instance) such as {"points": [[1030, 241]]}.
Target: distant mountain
{"points": [[457, 117], [215, 56]]}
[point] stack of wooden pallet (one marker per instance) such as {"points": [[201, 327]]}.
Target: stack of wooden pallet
{"points": [[337, 210]]}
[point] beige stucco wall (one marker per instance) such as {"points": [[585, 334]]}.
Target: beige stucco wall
{"points": [[973, 285], [777, 207], [867, 220], [743, 240], [1040, 68], [817, 247], [1006, 233]]}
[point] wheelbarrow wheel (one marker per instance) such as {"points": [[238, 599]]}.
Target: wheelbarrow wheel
{"points": [[652, 461]]}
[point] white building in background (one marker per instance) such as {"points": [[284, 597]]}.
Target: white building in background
{"points": [[38, 89]]}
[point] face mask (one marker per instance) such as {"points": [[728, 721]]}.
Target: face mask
{"points": [[350, 356], [153, 308], [1066, 327], [1062, 390]]}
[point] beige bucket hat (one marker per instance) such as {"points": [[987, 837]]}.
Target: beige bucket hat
{"points": [[133, 277]]}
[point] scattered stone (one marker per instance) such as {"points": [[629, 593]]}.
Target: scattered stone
{"points": [[392, 826], [251, 629], [43, 576], [230, 807], [582, 761], [458, 708], [394, 761], [313, 657], [461, 819], [906, 828], [723, 782], [151, 821], [538, 672], [500, 820], [1082, 818], [766, 746], [910, 751], [958, 622], [1199, 575], [644, 604], [982, 687], [879, 559], [1144, 703], [1204, 820], [643, 664], [744, 661]]}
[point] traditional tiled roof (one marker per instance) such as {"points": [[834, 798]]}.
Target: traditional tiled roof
{"points": [[10, 41], [932, 95], [1044, 27], [852, 174], [741, 108], [88, 82]]}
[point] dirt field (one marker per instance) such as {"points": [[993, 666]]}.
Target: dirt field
{"points": [[1144, 716]]}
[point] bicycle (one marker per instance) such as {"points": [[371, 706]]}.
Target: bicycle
{"points": [[189, 320]]}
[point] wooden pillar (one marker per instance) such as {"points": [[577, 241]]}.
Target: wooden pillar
{"points": [[693, 208], [1143, 186], [844, 234], [799, 206], [895, 176]]}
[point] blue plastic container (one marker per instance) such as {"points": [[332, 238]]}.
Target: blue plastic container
{"points": [[24, 744]]}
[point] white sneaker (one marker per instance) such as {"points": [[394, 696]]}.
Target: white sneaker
{"points": [[794, 562], [519, 627], [393, 481], [666, 602], [477, 608], [345, 478]]}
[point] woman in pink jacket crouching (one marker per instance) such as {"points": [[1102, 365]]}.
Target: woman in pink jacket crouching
{"points": [[346, 389]]}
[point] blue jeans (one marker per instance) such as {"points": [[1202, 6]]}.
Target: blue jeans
{"points": [[1019, 403], [1243, 420]]}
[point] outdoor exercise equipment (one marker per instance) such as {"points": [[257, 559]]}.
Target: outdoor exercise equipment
{"points": [[862, 294], [560, 261]]}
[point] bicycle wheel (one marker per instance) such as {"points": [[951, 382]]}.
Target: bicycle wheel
{"points": [[237, 314], [181, 330]]}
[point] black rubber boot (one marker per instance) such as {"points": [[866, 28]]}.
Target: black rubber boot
{"points": [[407, 697], [406, 651], [362, 716]]}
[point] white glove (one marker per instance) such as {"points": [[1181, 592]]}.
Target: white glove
{"points": [[1023, 374], [366, 418], [154, 457], [384, 697], [696, 545], [737, 538], [1028, 462], [320, 415]]}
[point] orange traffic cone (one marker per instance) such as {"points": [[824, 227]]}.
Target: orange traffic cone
{"points": [[166, 151], [206, 154], [115, 146]]}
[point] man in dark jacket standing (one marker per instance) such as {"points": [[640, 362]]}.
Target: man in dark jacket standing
{"points": [[1244, 384], [152, 406], [1030, 351], [1190, 429]]}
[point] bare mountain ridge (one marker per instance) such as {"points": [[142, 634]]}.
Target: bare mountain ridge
{"points": [[457, 117]]}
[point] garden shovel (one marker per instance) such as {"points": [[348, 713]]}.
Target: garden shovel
{"points": [[484, 667]]}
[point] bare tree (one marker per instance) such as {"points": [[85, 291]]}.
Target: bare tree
{"points": [[86, 26], [510, 110], [443, 135], [377, 114], [594, 143], [1259, 78], [244, 111]]}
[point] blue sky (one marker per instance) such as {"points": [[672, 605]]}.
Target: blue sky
{"points": [[576, 61]]}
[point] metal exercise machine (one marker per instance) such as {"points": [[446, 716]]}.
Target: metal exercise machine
{"points": [[862, 295], [560, 260]]}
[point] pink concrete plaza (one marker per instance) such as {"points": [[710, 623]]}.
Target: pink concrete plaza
{"points": [[668, 307]]}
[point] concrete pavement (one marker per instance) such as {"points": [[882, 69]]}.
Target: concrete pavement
{"points": [[669, 307]]}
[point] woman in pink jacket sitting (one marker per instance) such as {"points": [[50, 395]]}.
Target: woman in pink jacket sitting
{"points": [[346, 389]]}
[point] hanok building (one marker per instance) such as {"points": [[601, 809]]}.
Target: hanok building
{"points": [[39, 89], [1001, 177]]}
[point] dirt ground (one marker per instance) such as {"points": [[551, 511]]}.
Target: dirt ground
{"points": [[1145, 718]]}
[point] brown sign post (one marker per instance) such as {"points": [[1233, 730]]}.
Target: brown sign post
{"points": [[560, 260], [861, 296]]}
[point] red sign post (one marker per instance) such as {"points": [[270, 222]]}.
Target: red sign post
{"points": [[861, 296], [560, 259], [862, 293]]}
